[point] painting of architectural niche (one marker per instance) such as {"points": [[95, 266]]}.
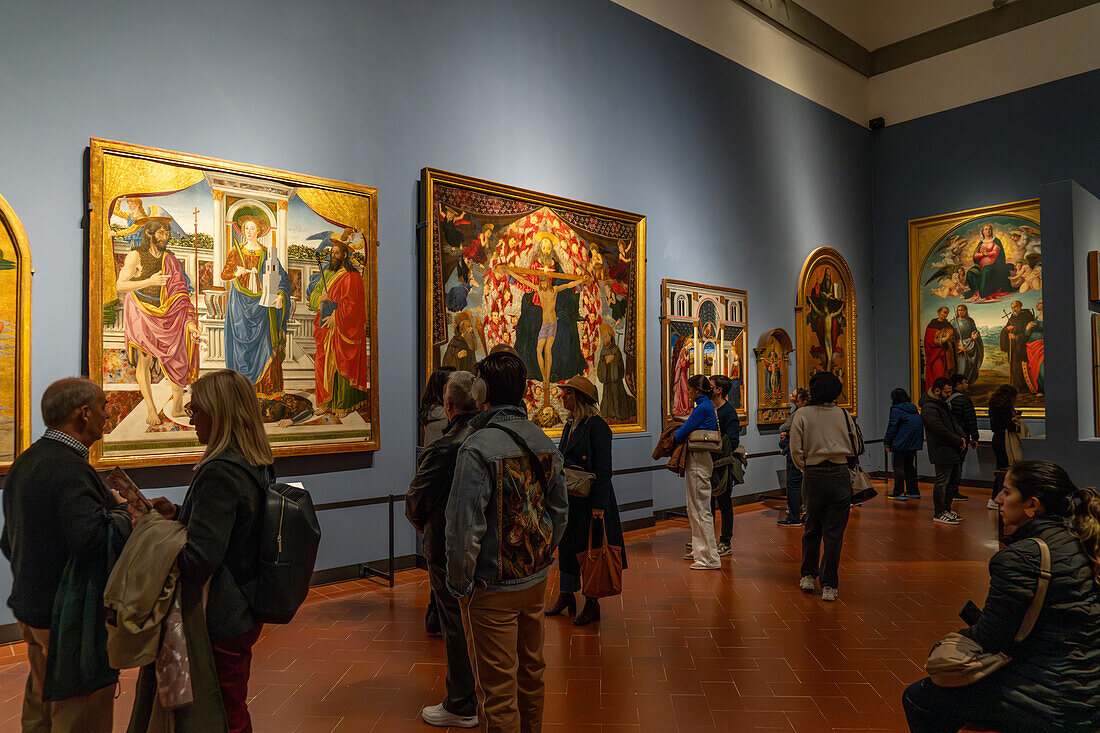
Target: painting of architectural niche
{"points": [[825, 314], [976, 302], [560, 281], [704, 331], [15, 337], [773, 378], [200, 264]]}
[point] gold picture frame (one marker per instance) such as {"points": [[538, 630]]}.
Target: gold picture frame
{"points": [[15, 337], [976, 264], [825, 316], [714, 318], [486, 248], [147, 203], [773, 377]]}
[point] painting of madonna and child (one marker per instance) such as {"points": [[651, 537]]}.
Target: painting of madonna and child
{"points": [[201, 265], [704, 331], [977, 302], [560, 282]]}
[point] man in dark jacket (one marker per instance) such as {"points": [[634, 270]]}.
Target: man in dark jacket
{"points": [[946, 442], [505, 516], [426, 507], [962, 407], [57, 511]]}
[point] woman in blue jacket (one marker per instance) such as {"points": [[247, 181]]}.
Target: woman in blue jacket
{"points": [[904, 437], [700, 465]]}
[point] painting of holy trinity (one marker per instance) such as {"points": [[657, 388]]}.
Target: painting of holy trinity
{"points": [[976, 302], [560, 281], [200, 264]]}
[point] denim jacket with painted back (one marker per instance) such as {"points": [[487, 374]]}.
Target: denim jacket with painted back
{"points": [[501, 528]]}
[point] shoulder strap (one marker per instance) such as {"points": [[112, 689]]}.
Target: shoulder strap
{"points": [[851, 437], [536, 464], [1036, 606]]}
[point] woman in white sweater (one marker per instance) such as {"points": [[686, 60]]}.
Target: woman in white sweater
{"points": [[821, 442]]}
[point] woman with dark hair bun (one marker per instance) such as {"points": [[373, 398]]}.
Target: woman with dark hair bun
{"points": [[822, 441], [1052, 682], [430, 415], [700, 465]]}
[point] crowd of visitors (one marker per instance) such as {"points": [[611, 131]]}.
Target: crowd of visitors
{"points": [[495, 499]]}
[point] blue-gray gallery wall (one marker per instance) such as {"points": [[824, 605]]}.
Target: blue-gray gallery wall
{"points": [[1019, 146], [739, 178]]}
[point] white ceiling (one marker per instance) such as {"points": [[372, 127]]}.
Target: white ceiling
{"points": [[877, 23]]}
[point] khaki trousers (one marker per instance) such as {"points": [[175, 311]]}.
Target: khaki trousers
{"points": [[88, 714], [504, 636], [704, 547]]}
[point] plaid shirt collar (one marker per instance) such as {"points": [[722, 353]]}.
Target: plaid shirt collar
{"points": [[68, 440]]}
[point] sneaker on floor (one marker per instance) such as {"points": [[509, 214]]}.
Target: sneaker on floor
{"points": [[689, 555], [912, 496], [439, 716], [960, 497], [946, 518], [701, 566], [789, 521], [724, 550], [896, 497], [829, 594], [991, 504], [954, 515], [806, 585]]}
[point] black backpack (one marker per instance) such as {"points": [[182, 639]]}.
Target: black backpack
{"points": [[289, 537]]}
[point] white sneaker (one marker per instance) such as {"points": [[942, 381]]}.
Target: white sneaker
{"points": [[829, 594], [439, 716], [945, 518], [954, 515], [806, 585], [991, 504]]}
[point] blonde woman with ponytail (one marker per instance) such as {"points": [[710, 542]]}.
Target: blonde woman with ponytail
{"points": [[223, 513], [1052, 682]]}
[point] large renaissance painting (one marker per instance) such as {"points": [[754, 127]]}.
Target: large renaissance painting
{"points": [[200, 264], [826, 322], [560, 281], [704, 330], [976, 302], [15, 337]]}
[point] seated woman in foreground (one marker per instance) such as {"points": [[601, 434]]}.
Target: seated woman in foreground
{"points": [[1052, 682]]}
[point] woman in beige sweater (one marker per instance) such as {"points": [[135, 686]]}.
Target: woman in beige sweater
{"points": [[822, 440]]}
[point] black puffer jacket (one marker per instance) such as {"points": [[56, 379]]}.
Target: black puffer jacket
{"points": [[1055, 671], [426, 499], [943, 434]]}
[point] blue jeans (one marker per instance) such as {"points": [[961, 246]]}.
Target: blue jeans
{"points": [[794, 490]]}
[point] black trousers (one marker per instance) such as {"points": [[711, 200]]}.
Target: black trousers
{"points": [[724, 504], [794, 490], [932, 709], [905, 472], [947, 475], [461, 696], [827, 496]]}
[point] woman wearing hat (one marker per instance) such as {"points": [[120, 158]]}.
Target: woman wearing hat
{"points": [[586, 445]]}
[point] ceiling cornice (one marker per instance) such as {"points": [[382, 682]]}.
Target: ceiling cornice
{"points": [[796, 20]]}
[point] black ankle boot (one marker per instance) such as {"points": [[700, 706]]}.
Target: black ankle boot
{"points": [[590, 612], [565, 601]]}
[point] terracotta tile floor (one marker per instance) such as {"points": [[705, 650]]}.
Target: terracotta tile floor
{"points": [[680, 650]]}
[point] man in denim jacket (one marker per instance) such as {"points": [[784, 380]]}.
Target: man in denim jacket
{"points": [[505, 515]]}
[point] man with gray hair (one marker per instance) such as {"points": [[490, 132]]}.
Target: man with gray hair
{"points": [[59, 518], [425, 507]]}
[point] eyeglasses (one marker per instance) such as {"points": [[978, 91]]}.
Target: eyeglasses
{"points": [[188, 410]]}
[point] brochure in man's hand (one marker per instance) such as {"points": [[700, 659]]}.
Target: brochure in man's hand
{"points": [[121, 482]]}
